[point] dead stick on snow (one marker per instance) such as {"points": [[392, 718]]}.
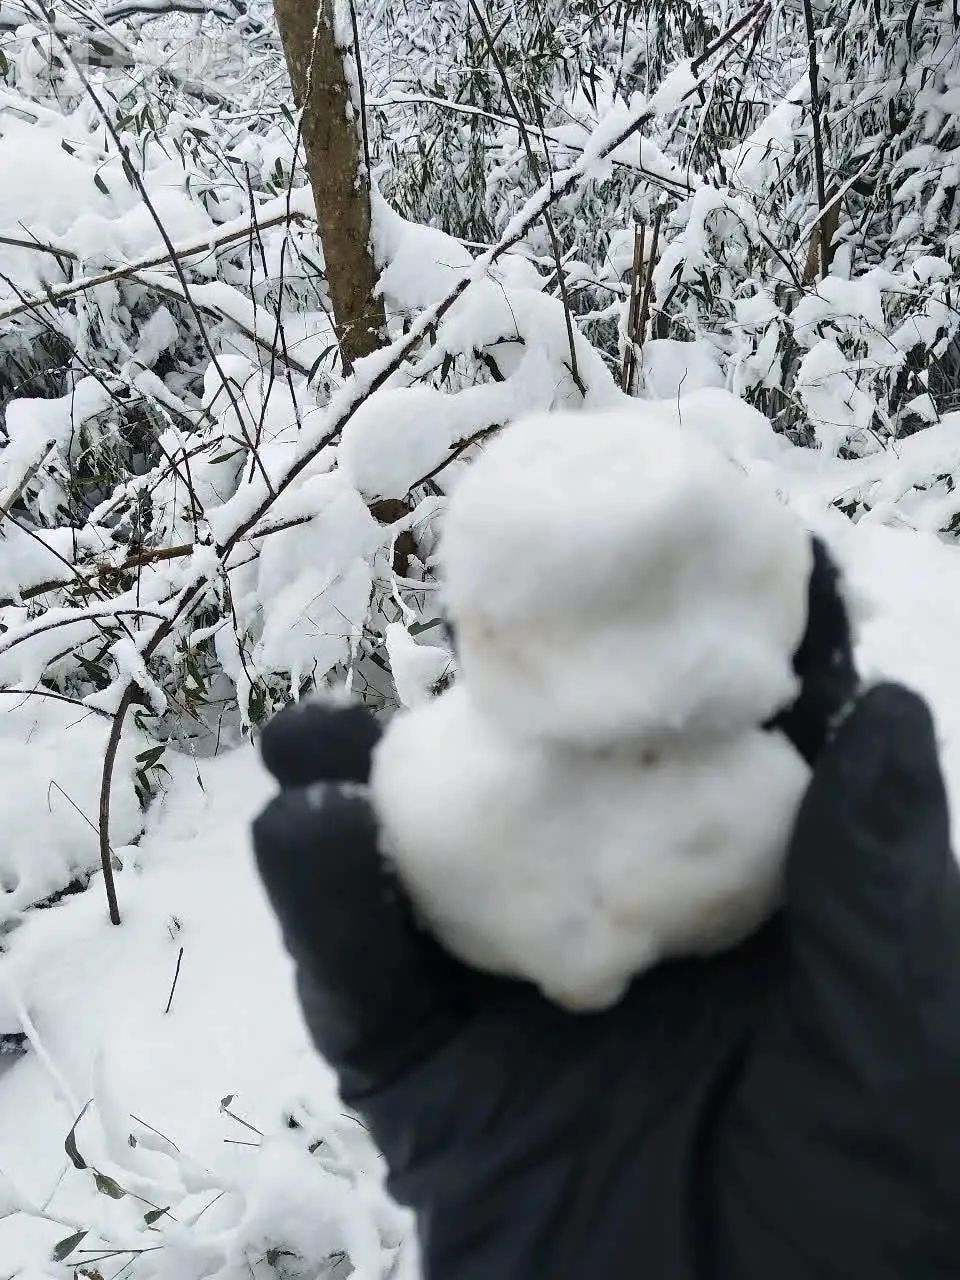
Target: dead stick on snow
{"points": [[174, 987]]}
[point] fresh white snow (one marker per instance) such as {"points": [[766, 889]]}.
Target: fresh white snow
{"points": [[613, 577], [233, 1041]]}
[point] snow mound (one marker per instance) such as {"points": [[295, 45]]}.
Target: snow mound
{"points": [[576, 870], [395, 438], [416, 668], [52, 757], [596, 794], [669, 368], [614, 577]]}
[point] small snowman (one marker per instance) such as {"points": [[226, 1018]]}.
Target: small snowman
{"points": [[598, 791]]}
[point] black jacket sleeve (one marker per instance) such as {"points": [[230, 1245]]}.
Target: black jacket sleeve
{"points": [[838, 1154]]}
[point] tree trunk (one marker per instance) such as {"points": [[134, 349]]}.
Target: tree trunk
{"points": [[338, 174], [822, 247]]}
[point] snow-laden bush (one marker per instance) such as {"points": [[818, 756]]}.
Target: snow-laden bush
{"points": [[306, 1207], [860, 347]]}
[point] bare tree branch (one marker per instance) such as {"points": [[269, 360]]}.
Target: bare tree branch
{"points": [[823, 231], [535, 169], [63, 293], [679, 185]]}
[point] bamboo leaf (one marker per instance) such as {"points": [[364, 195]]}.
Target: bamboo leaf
{"points": [[70, 1143], [108, 1186], [65, 1247]]}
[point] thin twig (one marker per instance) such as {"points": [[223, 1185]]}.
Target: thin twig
{"points": [[154, 555], [675, 186], [63, 293], [629, 355], [555, 243], [455, 453], [535, 169], [106, 782], [57, 697], [38, 246], [644, 314], [70, 618], [823, 229], [156, 1131], [361, 88], [225, 1110], [174, 986], [170, 288], [762, 8], [11, 498], [72, 803]]}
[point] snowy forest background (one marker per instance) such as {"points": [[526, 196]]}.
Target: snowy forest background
{"points": [[225, 454]]}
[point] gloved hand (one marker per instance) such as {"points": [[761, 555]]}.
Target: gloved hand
{"points": [[823, 662], [786, 1110]]}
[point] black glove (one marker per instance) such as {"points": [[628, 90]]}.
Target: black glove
{"points": [[824, 663], [786, 1111]]}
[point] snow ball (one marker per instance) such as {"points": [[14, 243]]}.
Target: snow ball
{"points": [[576, 870], [614, 577]]}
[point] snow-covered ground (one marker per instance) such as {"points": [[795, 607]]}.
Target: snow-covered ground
{"points": [[96, 996]]}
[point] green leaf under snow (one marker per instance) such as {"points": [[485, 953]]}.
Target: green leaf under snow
{"points": [[63, 1248], [108, 1186], [147, 759], [70, 1142]]}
